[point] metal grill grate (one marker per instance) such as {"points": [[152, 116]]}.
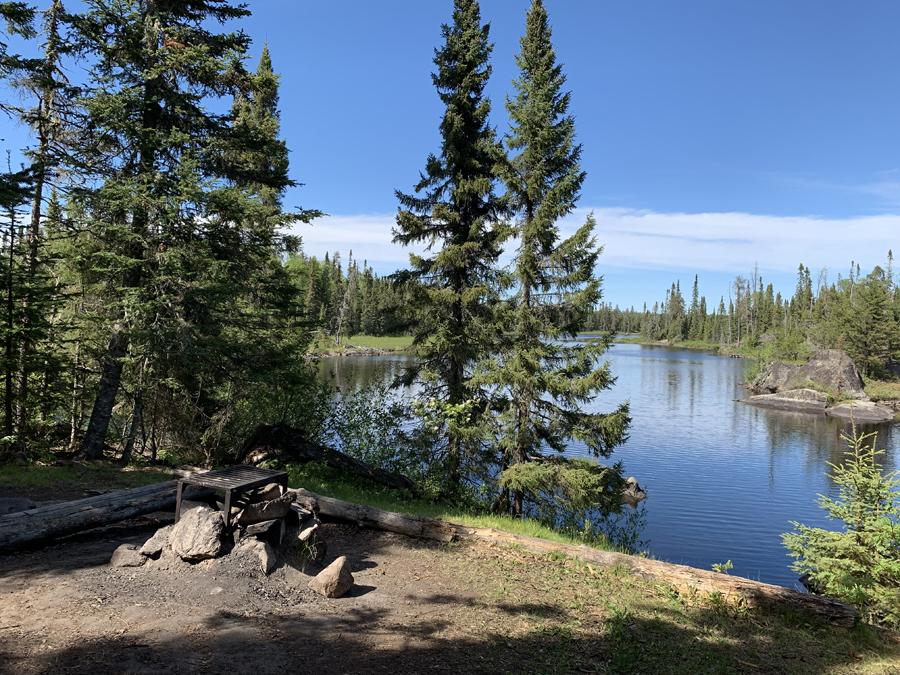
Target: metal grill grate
{"points": [[236, 477], [233, 479]]}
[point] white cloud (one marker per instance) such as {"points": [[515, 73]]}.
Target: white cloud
{"points": [[726, 242]]}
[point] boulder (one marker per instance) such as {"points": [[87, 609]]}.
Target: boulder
{"points": [[267, 558], [862, 412], [154, 546], [335, 580], [633, 493], [831, 369], [198, 535], [270, 510], [127, 555], [15, 505], [796, 400]]}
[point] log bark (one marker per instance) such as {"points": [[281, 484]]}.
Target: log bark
{"points": [[280, 441], [26, 528], [413, 526], [736, 590]]}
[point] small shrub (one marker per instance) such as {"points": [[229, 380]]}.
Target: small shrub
{"points": [[861, 563]]}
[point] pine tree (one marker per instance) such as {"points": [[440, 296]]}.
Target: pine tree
{"points": [[545, 383], [455, 211]]}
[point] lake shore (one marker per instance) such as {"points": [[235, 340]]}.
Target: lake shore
{"points": [[416, 605]]}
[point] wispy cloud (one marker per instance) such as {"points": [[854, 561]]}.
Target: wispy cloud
{"points": [[724, 242], [884, 185]]}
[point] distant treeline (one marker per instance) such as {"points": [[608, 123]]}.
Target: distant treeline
{"points": [[342, 302], [858, 313]]}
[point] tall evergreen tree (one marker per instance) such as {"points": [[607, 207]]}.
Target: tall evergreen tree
{"points": [[180, 197], [456, 212], [544, 382]]}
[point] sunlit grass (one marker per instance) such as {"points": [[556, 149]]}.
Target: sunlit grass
{"points": [[332, 483], [96, 476], [883, 391]]}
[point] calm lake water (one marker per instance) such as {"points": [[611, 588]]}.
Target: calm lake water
{"points": [[723, 479]]}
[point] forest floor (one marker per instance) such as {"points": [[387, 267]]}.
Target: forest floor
{"points": [[417, 606]]}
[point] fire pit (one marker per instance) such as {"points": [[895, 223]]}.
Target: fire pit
{"points": [[232, 480]]}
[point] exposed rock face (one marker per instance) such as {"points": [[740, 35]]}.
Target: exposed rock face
{"points": [[198, 535], [864, 412], [154, 546], [830, 368], [335, 580], [799, 400], [127, 555], [15, 504]]}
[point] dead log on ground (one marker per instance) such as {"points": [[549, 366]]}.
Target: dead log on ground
{"points": [[736, 590], [25, 528], [283, 442], [413, 526]]}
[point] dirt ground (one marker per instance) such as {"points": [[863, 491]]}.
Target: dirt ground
{"points": [[416, 607], [63, 609]]}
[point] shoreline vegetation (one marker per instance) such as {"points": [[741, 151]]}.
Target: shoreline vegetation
{"points": [[645, 624]]}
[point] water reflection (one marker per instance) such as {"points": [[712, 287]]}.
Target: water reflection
{"points": [[724, 479]]}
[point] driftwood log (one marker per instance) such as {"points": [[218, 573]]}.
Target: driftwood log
{"points": [[283, 442], [25, 528], [745, 592]]}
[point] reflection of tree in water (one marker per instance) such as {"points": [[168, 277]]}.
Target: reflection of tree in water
{"points": [[818, 438], [351, 373]]}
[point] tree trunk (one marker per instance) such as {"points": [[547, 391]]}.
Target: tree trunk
{"points": [[106, 395], [136, 416]]}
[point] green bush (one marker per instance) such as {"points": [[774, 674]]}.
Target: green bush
{"points": [[860, 564]]}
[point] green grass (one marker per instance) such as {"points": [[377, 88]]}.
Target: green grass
{"points": [[329, 482], [380, 342], [98, 476], [325, 344], [881, 390]]}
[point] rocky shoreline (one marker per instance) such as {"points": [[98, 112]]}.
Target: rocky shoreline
{"points": [[806, 388]]}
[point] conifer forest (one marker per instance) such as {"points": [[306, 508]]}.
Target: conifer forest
{"points": [[157, 302]]}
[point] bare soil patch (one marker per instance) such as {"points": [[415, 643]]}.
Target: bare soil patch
{"points": [[417, 607]]}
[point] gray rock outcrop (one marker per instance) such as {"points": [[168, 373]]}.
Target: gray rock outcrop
{"points": [[863, 412], [798, 400], [198, 535], [335, 580], [827, 368]]}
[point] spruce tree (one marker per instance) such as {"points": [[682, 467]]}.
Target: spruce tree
{"points": [[542, 383], [456, 214], [181, 199]]}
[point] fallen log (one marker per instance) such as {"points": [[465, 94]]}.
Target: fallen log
{"points": [[736, 590], [26, 528], [413, 526], [283, 442]]}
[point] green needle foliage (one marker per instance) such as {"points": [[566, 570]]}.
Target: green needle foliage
{"points": [[454, 288], [861, 563], [540, 382]]}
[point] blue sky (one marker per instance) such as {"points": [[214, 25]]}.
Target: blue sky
{"points": [[716, 134]]}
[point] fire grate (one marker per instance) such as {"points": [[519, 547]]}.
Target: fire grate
{"points": [[232, 480]]}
